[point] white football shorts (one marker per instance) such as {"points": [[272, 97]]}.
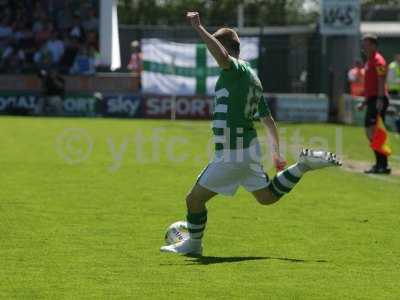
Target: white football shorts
{"points": [[230, 169]]}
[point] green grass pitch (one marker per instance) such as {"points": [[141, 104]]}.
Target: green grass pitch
{"points": [[84, 204]]}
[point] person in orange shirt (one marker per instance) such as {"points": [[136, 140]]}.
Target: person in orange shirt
{"points": [[356, 77]]}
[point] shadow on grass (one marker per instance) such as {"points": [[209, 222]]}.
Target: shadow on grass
{"points": [[210, 260]]}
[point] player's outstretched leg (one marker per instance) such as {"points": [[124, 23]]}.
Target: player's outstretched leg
{"points": [[196, 220], [309, 160]]}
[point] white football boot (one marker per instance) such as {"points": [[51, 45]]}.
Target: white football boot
{"points": [[189, 247], [318, 159]]}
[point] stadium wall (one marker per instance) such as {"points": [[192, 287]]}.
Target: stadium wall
{"points": [[290, 62], [101, 82], [284, 107]]}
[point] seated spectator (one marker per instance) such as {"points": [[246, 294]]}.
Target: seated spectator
{"points": [[5, 30], [43, 58], [18, 61], [77, 30], [45, 33], [23, 34], [71, 51], [65, 20], [13, 59], [32, 34], [54, 8], [56, 47], [92, 39], [95, 55], [92, 23], [40, 18], [84, 64], [29, 55]]}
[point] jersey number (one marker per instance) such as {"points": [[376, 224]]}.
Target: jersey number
{"points": [[253, 98]]}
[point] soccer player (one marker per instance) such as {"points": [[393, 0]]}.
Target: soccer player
{"points": [[376, 96], [238, 98]]}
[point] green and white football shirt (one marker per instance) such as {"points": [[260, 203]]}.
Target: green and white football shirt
{"points": [[238, 101]]}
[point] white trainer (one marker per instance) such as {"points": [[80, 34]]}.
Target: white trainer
{"points": [[188, 246], [318, 159]]}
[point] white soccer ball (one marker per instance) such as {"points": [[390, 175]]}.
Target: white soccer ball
{"points": [[176, 232]]}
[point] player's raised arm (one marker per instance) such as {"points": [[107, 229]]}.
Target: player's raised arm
{"points": [[217, 50], [278, 161]]}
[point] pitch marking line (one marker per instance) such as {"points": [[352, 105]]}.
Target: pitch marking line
{"points": [[359, 167], [383, 178]]}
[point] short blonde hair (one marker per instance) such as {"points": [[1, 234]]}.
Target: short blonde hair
{"points": [[229, 39]]}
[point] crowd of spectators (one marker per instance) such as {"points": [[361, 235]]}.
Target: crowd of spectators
{"points": [[60, 35]]}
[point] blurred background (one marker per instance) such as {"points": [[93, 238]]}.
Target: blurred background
{"points": [[96, 58]]}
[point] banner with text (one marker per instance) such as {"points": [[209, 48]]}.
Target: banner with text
{"points": [[107, 105], [185, 107]]}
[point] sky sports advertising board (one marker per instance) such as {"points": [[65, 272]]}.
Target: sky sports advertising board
{"points": [[284, 107], [85, 105], [186, 107]]}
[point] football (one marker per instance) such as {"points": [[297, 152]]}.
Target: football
{"points": [[176, 232]]}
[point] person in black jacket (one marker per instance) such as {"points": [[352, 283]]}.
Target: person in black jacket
{"points": [[53, 89]]}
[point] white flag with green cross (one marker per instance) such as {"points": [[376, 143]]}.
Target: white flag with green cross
{"points": [[185, 69]]}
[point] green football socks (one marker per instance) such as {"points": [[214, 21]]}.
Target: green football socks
{"points": [[285, 180], [196, 224]]}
